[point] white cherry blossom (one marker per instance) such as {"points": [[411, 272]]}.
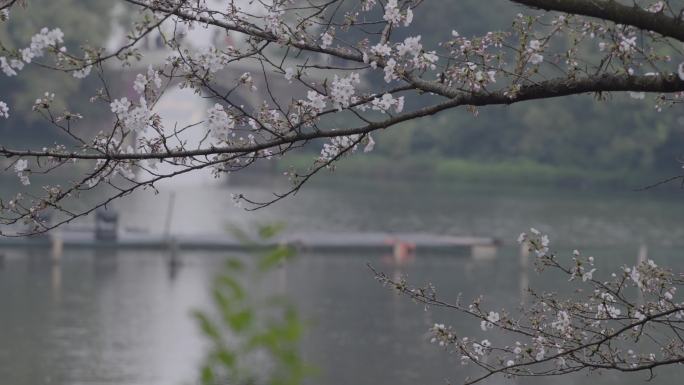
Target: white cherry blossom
{"points": [[4, 110]]}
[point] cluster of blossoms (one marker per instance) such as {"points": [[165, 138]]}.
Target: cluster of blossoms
{"points": [[475, 77], [143, 81], [273, 19], [132, 117], [327, 39], [138, 117], [289, 74], [272, 120], [246, 79], [21, 168], [45, 102], [106, 170], [342, 91], [83, 72], [367, 5], [4, 110], [579, 269], [538, 242], [484, 50], [220, 123], [381, 50], [211, 59], [418, 58], [394, 15], [196, 65], [492, 318], [337, 146], [344, 145], [390, 70], [385, 102], [316, 102], [45, 39], [656, 7], [404, 56], [628, 44], [11, 66], [39, 42], [534, 50]]}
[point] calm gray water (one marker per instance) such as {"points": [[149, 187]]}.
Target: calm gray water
{"points": [[123, 317]]}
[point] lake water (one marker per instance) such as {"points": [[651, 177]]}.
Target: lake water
{"points": [[123, 317]]}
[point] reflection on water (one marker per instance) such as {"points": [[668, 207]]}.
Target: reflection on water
{"points": [[97, 319], [123, 317]]}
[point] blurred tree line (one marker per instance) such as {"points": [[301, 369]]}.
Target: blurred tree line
{"points": [[577, 132], [600, 132], [84, 22]]}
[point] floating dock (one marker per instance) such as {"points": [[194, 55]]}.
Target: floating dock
{"points": [[385, 243]]}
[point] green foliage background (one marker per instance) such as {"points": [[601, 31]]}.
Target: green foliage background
{"points": [[84, 22]]}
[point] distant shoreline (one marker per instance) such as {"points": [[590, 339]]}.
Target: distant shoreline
{"points": [[522, 172]]}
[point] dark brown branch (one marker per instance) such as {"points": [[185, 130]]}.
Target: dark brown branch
{"points": [[614, 11]]}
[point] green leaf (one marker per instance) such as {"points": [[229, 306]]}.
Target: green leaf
{"points": [[241, 236], [207, 326], [241, 320], [225, 281], [275, 257], [227, 358], [269, 231], [207, 375], [234, 264]]}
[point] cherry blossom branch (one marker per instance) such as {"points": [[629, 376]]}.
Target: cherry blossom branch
{"points": [[543, 90], [603, 329]]}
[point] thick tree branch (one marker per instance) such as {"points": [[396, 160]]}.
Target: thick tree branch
{"points": [[618, 13]]}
